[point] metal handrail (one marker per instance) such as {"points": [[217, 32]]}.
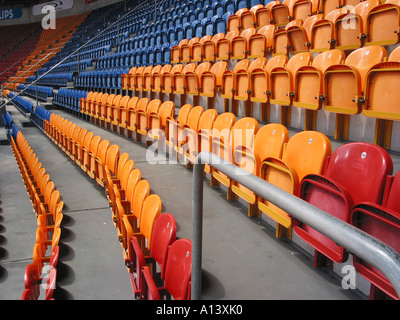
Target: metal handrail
{"points": [[73, 53], [356, 241]]}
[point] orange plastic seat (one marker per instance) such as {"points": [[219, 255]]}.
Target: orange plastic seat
{"points": [[114, 112], [194, 49], [120, 115], [344, 85], [125, 79], [108, 111], [269, 141], [220, 138], [158, 121], [176, 51], [210, 82], [143, 115], [305, 153], [173, 125], [234, 21], [260, 43], [133, 115], [262, 16], [308, 84], [209, 47], [302, 9], [224, 46], [167, 79], [193, 78], [157, 77], [240, 44], [138, 84]]}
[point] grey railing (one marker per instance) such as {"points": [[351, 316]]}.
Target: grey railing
{"points": [[356, 241]]}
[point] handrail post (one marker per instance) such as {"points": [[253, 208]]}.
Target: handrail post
{"points": [[356, 241]]}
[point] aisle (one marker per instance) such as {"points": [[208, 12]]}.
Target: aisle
{"points": [[91, 262]]}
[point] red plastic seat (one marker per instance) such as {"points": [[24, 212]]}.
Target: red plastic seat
{"points": [[356, 173], [178, 271], [382, 222], [164, 234]]}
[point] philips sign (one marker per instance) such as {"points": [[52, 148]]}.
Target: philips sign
{"points": [[8, 14]]}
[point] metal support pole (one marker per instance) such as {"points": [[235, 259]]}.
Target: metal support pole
{"points": [[356, 241]]}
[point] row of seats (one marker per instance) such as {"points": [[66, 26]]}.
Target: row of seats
{"points": [[136, 214], [101, 79], [302, 165], [70, 99], [43, 93], [41, 274], [39, 115], [23, 105]]}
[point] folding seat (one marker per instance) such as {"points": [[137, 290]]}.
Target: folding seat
{"points": [[302, 9], [221, 131], [143, 114], [279, 12], [179, 82], [119, 112], [33, 283], [177, 274], [138, 83], [146, 84], [305, 153], [381, 221], [132, 115], [219, 24], [269, 141], [128, 79], [262, 16], [280, 43], [229, 5], [187, 54], [234, 21], [173, 125], [151, 210], [196, 50], [41, 258], [300, 36], [97, 107], [350, 27], [163, 236], [242, 84], [228, 82], [89, 151], [241, 138], [383, 23], [308, 85], [157, 77], [176, 51], [192, 80], [208, 26], [344, 85], [209, 47], [380, 96], [240, 44], [77, 148], [282, 83], [205, 125], [105, 118], [210, 82], [158, 121], [224, 46], [167, 83], [356, 173], [187, 134], [260, 43], [106, 156], [85, 102], [113, 112], [187, 29]]}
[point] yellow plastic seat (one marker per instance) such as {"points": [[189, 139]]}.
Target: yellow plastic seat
{"points": [[269, 141], [344, 85], [308, 84], [305, 153]]}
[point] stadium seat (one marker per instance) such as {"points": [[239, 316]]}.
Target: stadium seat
{"points": [[177, 274], [210, 82], [344, 85], [224, 46], [132, 115], [340, 188], [269, 141], [380, 96], [158, 122], [305, 153], [192, 80], [382, 222], [164, 234], [282, 83], [173, 125], [260, 43], [143, 117], [308, 85]]}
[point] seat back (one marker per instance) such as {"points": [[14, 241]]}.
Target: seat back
{"points": [[112, 158], [164, 234], [150, 211], [142, 191], [178, 269]]}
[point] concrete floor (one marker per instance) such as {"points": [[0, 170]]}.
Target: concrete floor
{"points": [[242, 259]]}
